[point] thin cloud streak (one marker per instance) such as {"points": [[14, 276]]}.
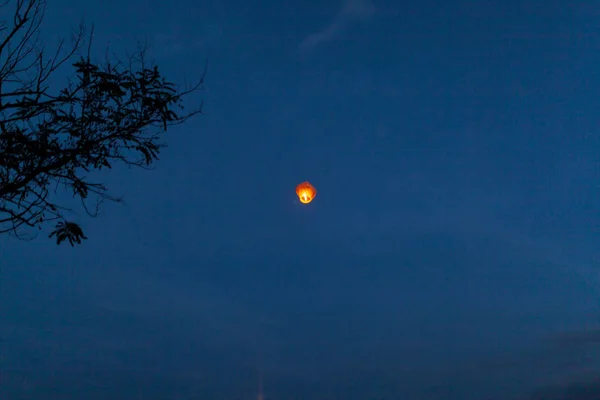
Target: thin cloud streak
{"points": [[350, 12]]}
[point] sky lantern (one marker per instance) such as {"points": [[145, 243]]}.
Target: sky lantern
{"points": [[306, 192]]}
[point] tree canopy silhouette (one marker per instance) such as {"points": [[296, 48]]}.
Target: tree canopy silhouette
{"points": [[52, 140]]}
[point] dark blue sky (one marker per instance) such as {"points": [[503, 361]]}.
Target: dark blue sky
{"points": [[452, 246]]}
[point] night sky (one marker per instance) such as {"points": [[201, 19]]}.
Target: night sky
{"points": [[451, 252]]}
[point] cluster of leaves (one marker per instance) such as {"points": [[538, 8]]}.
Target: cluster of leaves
{"points": [[106, 114]]}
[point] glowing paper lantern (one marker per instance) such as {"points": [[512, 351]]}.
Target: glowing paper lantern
{"points": [[306, 192]]}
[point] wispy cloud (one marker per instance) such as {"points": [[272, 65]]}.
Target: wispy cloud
{"points": [[350, 12]]}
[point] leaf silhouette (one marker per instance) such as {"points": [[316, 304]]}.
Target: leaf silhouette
{"points": [[68, 231]]}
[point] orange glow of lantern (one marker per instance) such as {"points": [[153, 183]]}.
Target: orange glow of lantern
{"points": [[306, 192]]}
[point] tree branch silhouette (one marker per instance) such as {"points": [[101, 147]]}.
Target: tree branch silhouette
{"points": [[106, 114]]}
